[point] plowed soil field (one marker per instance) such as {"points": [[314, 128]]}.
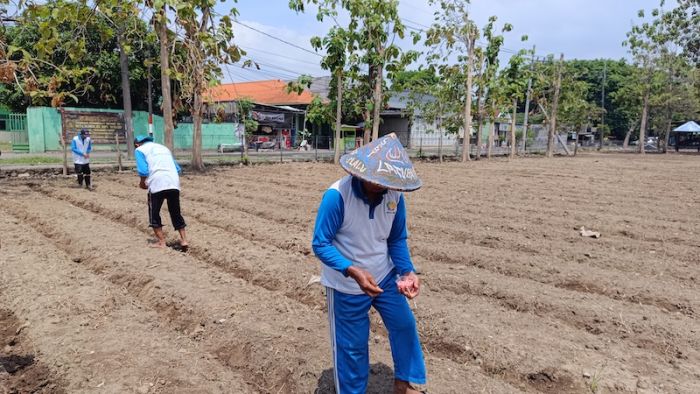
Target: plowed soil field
{"points": [[514, 298]]}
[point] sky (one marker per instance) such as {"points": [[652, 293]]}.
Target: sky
{"points": [[581, 29]]}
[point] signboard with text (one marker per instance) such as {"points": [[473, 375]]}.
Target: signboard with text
{"points": [[103, 126]]}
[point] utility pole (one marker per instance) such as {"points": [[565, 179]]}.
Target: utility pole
{"points": [[602, 103], [527, 100]]}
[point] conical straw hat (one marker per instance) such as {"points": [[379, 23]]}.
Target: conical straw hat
{"points": [[384, 162]]}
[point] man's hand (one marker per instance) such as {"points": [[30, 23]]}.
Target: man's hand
{"points": [[87, 155], [409, 285], [142, 184], [366, 281]]}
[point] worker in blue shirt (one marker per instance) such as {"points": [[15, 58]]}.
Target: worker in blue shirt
{"points": [[360, 236], [159, 174], [81, 146]]}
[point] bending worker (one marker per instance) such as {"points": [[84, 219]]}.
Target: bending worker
{"points": [[81, 146], [360, 235], [159, 174]]}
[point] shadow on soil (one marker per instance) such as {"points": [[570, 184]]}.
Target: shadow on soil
{"points": [[381, 380]]}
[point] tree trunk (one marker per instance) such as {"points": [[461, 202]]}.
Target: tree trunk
{"points": [[555, 108], [367, 131], [667, 137], [479, 138], [197, 163], [468, 104], [513, 144], [527, 101], [338, 118], [126, 96], [492, 131], [244, 137], [626, 142], [167, 105], [440, 133], [378, 99], [643, 125], [480, 128], [577, 142], [366, 115], [491, 140], [668, 109]]}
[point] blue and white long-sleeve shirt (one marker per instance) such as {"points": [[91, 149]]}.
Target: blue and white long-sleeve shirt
{"points": [[351, 231], [157, 164], [79, 147]]}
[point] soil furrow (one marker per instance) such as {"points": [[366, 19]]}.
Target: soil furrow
{"points": [[89, 331], [244, 347]]}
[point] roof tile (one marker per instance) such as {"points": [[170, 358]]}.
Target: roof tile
{"points": [[270, 92]]}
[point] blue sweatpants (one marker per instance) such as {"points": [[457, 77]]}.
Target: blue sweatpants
{"points": [[348, 316]]}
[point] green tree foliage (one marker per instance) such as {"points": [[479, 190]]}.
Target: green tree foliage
{"points": [[406, 80], [250, 125], [665, 71], [684, 23], [587, 78], [65, 53]]}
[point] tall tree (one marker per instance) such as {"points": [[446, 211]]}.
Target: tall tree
{"points": [[555, 108], [339, 44], [336, 44], [245, 117], [515, 79], [374, 25], [627, 101], [161, 23], [452, 34], [206, 44], [494, 89], [121, 16], [479, 57], [643, 43]]}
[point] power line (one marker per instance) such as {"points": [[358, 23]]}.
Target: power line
{"points": [[276, 67], [422, 27], [275, 75], [278, 55], [278, 39]]}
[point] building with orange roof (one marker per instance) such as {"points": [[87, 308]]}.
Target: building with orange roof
{"points": [[280, 115], [270, 92]]}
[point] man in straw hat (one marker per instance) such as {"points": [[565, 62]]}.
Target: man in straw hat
{"points": [[360, 236]]}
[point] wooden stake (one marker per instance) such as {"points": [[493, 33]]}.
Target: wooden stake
{"points": [[119, 153], [63, 142]]}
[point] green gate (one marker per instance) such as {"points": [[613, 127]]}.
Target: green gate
{"points": [[16, 125]]}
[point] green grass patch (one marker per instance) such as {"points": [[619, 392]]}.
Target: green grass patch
{"points": [[30, 160]]}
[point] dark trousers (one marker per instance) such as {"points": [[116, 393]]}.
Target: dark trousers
{"points": [[83, 172], [155, 202]]}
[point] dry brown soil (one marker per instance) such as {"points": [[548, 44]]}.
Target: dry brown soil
{"points": [[514, 299]]}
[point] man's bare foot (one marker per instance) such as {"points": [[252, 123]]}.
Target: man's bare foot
{"points": [[157, 245], [184, 246]]}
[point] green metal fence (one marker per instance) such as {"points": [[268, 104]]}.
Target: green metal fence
{"points": [[16, 125]]}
